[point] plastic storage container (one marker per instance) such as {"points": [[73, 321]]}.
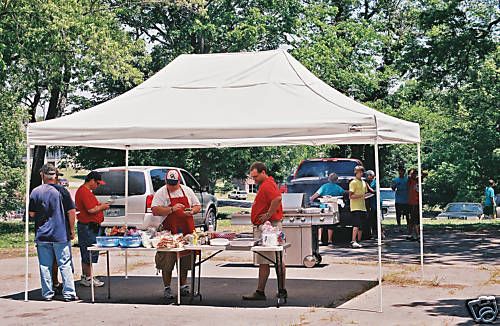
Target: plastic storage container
{"points": [[130, 242], [108, 241]]}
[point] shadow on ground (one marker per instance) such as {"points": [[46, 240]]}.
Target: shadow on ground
{"points": [[445, 246], [223, 292], [447, 307]]}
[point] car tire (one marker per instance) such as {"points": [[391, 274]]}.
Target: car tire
{"points": [[210, 219]]}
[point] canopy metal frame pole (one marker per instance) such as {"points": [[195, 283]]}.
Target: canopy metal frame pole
{"points": [[420, 212], [126, 205], [27, 218], [379, 224]]}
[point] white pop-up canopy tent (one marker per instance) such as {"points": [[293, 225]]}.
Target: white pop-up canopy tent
{"points": [[228, 100]]}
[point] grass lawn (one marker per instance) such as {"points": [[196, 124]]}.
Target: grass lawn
{"points": [[12, 234], [74, 176], [459, 225], [12, 239], [225, 211]]}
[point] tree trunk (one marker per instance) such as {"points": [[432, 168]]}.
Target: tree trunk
{"points": [[56, 103], [39, 152], [34, 105]]}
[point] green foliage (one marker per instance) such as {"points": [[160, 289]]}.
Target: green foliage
{"points": [[434, 62], [12, 234], [12, 149]]}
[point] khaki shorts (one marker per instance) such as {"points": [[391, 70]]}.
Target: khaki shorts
{"points": [[165, 261], [257, 234]]}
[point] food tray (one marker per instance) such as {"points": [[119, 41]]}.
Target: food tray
{"points": [[224, 235], [130, 242], [108, 242], [243, 242], [219, 242]]}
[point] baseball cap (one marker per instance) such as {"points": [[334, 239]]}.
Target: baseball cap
{"points": [[49, 170], [96, 176], [172, 177]]}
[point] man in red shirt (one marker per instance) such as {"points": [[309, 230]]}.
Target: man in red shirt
{"points": [[266, 207], [90, 216], [413, 205]]}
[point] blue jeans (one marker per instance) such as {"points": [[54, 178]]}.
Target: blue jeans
{"points": [[87, 238], [61, 252]]}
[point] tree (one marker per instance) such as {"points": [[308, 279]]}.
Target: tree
{"points": [[12, 148], [54, 49]]}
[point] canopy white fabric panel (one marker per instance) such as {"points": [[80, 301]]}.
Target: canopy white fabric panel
{"points": [[226, 100]]}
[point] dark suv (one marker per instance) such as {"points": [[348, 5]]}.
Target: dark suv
{"points": [[313, 173]]}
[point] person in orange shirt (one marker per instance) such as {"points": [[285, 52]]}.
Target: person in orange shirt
{"points": [[90, 216], [266, 207], [413, 205]]}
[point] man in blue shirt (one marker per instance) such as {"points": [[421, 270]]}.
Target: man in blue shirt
{"points": [[51, 237], [400, 186], [70, 210], [489, 200], [328, 189]]}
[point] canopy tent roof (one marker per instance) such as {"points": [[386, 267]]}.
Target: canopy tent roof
{"points": [[226, 100]]}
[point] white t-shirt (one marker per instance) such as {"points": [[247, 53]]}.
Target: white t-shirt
{"points": [[161, 196]]}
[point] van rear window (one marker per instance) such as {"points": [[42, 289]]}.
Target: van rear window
{"points": [[115, 184]]}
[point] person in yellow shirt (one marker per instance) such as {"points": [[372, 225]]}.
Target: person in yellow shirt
{"points": [[357, 190]]}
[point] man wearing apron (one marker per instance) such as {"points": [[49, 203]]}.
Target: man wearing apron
{"points": [[178, 203]]}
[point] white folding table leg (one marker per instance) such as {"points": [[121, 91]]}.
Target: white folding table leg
{"points": [[91, 278], [126, 264], [178, 278]]}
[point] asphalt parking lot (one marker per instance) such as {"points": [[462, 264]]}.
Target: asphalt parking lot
{"points": [[341, 291]]}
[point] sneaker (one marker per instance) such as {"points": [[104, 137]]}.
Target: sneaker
{"points": [[185, 290], [167, 293], [355, 245], [256, 296], [48, 299], [330, 244], [58, 289], [282, 294], [86, 281], [71, 298], [98, 283]]}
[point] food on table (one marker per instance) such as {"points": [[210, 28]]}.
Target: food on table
{"points": [[171, 241], [120, 230], [270, 235], [189, 239], [223, 235]]}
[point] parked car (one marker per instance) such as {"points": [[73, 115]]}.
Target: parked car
{"points": [[313, 173], [466, 211], [64, 182], [388, 197], [144, 181], [238, 194]]}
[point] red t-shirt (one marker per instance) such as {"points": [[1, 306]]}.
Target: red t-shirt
{"points": [[412, 191], [85, 200], [268, 191]]}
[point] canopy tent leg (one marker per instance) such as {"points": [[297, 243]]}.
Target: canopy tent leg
{"points": [[27, 218], [420, 210], [379, 225], [126, 205]]}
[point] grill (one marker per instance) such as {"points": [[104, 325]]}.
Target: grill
{"points": [[300, 228]]}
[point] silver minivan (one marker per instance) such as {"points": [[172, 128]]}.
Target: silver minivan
{"points": [[144, 181]]}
